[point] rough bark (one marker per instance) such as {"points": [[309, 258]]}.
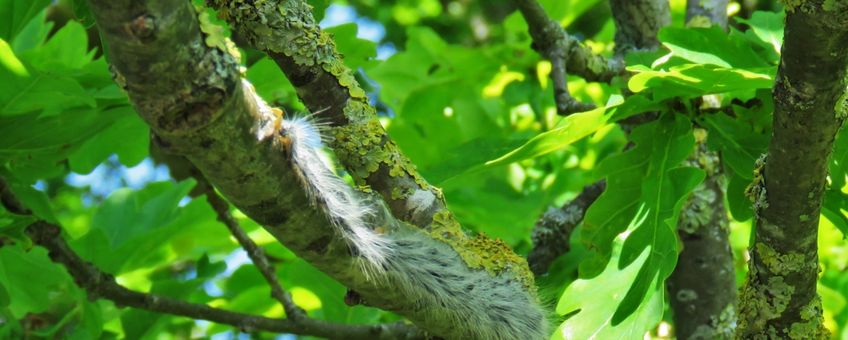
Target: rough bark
{"points": [[702, 288], [779, 299], [287, 32], [637, 23], [553, 42], [714, 10], [554, 228], [191, 96]]}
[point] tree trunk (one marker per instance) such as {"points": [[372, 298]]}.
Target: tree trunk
{"points": [[779, 299]]}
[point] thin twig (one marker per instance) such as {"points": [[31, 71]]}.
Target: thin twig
{"points": [[554, 228], [554, 43], [256, 254], [102, 285]]}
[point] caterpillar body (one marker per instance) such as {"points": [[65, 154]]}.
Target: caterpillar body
{"points": [[461, 303], [343, 205]]}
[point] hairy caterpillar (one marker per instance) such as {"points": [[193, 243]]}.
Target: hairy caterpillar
{"points": [[345, 207], [462, 303]]}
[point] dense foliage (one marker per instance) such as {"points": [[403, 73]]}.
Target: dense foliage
{"points": [[465, 96]]}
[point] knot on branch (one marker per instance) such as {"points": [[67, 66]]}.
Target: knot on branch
{"points": [[143, 27]]}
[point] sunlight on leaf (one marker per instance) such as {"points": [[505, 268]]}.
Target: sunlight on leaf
{"points": [[569, 130]]}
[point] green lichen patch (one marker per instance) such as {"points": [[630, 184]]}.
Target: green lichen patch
{"points": [[782, 264], [364, 146], [813, 325], [481, 252], [791, 5], [761, 302], [698, 210], [835, 5], [359, 145], [756, 191]]}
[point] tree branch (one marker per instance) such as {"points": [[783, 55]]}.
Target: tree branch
{"points": [[287, 32], [779, 299], [554, 43], [191, 96], [554, 228], [254, 252], [714, 10], [702, 288], [102, 285], [637, 23]]}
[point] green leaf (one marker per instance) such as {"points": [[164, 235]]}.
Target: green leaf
{"points": [[646, 186], [32, 199], [208, 269], [595, 301], [832, 208], [738, 143], [35, 145], [270, 83], [48, 82], [468, 158], [739, 204], [66, 50], [569, 130], [766, 26], [357, 52], [127, 213], [14, 14], [710, 46], [33, 34], [131, 228], [128, 137], [838, 166], [30, 279], [694, 80], [318, 8]]}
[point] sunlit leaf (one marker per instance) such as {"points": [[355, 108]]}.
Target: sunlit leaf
{"points": [[571, 129], [646, 178], [595, 301], [710, 46]]}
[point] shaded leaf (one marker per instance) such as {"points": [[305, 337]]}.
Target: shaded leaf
{"points": [[14, 15], [30, 279], [644, 184], [357, 52], [738, 144]]}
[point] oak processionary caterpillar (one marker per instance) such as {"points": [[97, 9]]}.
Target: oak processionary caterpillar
{"points": [[469, 304], [344, 207]]}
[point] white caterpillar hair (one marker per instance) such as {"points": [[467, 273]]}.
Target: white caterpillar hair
{"points": [[342, 204], [470, 304]]}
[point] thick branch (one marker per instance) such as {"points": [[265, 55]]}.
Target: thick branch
{"points": [[702, 288], [779, 299], [287, 32], [554, 43], [637, 23], [198, 107], [552, 231]]}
